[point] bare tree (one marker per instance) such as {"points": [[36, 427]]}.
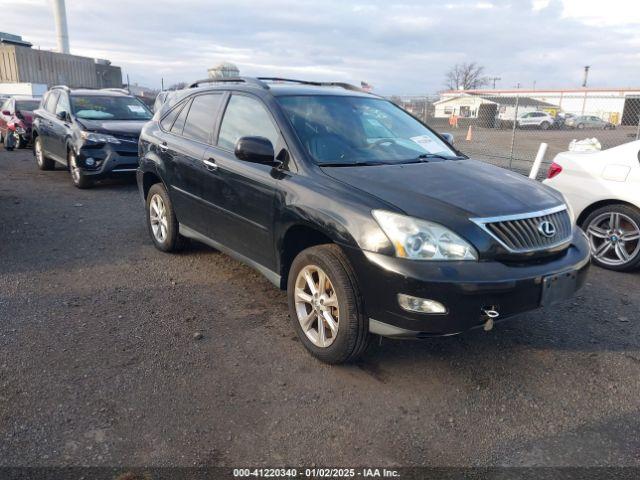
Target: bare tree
{"points": [[178, 86], [466, 76]]}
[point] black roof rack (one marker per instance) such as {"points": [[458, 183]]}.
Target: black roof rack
{"points": [[346, 86], [248, 80], [262, 82]]}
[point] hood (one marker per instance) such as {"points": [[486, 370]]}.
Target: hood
{"points": [[127, 128], [430, 190]]}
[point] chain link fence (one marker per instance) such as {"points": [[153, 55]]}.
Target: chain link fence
{"points": [[507, 130]]}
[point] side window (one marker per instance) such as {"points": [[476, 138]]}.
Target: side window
{"points": [[50, 106], [178, 125], [63, 104], [245, 116], [201, 118], [5, 105], [167, 122]]}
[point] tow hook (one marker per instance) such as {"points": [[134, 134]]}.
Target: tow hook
{"points": [[489, 314]]}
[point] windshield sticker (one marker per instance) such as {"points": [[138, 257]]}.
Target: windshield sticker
{"points": [[136, 108], [424, 141]]}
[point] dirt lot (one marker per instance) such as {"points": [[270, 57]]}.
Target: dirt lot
{"points": [[99, 364]]}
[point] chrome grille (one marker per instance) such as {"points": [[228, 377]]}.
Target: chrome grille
{"points": [[521, 233]]}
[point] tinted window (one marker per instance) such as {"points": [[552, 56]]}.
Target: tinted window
{"points": [[201, 118], [51, 101], [167, 121], [63, 104], [179, 123], [97, 107], [245, 116], [347, 130]]}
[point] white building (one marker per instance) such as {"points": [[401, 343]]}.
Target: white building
{"points": [[489, 108], [620, 106]]}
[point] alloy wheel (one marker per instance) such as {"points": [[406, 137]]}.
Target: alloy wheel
{"points": [[614, 238], [39, 155], [73, 166], [316, 304], [158, 218]]}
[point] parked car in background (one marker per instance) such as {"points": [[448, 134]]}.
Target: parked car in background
{"points": [[541, 120], [603, 188], [561, 119], [588, 121], [92, 132], [369, 219], [17, 112]]}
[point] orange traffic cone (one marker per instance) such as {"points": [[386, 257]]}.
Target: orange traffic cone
{"points": [[470, 134]]}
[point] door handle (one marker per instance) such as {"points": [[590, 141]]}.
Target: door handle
{"points": [[164, 147], [210, 164]]}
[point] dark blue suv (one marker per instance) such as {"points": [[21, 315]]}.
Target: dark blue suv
{"points": [[94, 133]]}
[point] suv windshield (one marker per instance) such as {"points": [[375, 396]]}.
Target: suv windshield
{"points": [[93, 107], [27, 105], [342, 130]]}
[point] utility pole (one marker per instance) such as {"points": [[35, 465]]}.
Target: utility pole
{"points": [[534, 84], [586, 75], [494, 80]]}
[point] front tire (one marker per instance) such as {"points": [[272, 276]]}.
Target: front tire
{"points": [[545, 125], [614, 237], [79, 178], [162, 223], [325, 305], [43, 162]]}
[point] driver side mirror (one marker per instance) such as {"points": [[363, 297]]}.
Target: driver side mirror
{"points": [[255, 150], [64, 116], [448, 137]]}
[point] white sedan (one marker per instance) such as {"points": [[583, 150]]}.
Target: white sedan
{"points": [[603, 190]]}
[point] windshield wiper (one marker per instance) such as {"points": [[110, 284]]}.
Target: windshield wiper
{"points": [[354, 164], [440, 156]]}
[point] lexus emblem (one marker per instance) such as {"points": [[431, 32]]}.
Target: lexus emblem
{"points": [[547, 229]]}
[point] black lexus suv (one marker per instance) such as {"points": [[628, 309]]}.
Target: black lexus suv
{"points": [[372, 222], [94, 133]]}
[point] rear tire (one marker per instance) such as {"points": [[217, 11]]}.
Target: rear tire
{"points": [[43, 162], [162, 223], [336, 329], [614, 247], [580, 126]]}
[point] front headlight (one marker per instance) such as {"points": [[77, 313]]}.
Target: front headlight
{"points": [[98, 137], [422, 240]]}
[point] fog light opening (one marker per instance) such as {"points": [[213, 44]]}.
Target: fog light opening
{"points": [[420, 305], [489, 314], [90, 162]]}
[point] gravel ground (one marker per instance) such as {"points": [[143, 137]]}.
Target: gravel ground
{"points": [[99, 364]]}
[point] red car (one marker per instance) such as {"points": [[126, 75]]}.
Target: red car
{"points": [[16, 116]]}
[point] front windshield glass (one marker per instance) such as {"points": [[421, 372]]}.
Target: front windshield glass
{"points": [[342, 130], [93, 107], [27, 105]]}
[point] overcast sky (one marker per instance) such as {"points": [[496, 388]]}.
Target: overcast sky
{"points": [[399, 47]]}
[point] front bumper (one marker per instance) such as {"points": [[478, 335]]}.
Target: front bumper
{"points": [[111, 160], [465, 288]]}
